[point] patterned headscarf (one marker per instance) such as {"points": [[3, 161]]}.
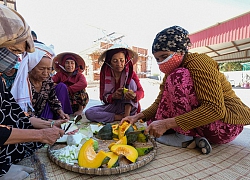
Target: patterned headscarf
{"points": [[174, 38], [14, 29]]}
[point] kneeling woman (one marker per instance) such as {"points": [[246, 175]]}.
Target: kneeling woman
{"points": [[117, 77]]}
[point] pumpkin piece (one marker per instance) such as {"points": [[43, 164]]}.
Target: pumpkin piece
{"points": [[125, 128], [123, 140], [105, 160], [135, 127], [142, 138], [115, 128], [131, 138], [114, 160], [87, 156], [105, 133], [126, 150], [110, 145], [125, 90], [143, 148]]}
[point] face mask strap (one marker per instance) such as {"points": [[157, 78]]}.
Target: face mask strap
{"points": [[108, 65], [128, 62], [165, 60]]}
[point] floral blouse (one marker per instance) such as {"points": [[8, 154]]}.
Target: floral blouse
{"points": [[46, 94]]}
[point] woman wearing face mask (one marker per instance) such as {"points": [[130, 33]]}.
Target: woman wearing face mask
{"points": [[20, 136], [9, 76], [116, 74], [195, 99], [34, 89]]}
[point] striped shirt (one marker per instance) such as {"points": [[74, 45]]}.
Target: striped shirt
{"points": [[217, 100]]}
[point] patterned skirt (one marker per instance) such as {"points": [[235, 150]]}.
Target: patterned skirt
{"points": [[179, 97], [80, 98]]}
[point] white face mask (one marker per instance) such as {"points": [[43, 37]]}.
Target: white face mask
{"points": [[167, 59]]}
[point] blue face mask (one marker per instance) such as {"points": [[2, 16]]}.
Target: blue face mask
{"points": [[167, 59], [7, 60]]}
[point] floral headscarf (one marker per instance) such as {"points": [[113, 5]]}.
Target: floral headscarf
{"points": [[174, 38]]}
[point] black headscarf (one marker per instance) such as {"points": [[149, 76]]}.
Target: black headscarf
{"points": [[174, 38]]}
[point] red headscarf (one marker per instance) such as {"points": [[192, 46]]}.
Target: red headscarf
{"points": [[71, 57]]}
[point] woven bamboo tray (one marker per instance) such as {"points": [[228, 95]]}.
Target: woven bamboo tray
{"points": [[103, 144]]}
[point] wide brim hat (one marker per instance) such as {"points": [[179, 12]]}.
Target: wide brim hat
{"points": [[58, 60], [132, 54]]}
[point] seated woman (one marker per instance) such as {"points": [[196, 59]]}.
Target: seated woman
{"points": [[9, 76], [116, 77], [33, 82], [69, 67], [196, 100]]}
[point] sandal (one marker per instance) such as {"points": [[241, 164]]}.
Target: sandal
{"points": [[204, 145]]}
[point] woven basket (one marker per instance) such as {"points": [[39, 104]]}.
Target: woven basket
{"points": [[103, 144]]}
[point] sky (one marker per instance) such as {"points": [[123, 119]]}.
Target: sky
{"points": [[75, 25]]}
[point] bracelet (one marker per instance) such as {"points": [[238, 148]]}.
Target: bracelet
{"points": [[52, 123]]}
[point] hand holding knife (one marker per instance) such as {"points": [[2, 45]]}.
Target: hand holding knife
{"points": [[75, 120]]}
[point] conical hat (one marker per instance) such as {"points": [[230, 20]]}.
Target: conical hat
{"points": [[132, 54], [58, 60]]}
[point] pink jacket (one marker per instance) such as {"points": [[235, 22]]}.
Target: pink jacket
{"points": [[74, 83]]}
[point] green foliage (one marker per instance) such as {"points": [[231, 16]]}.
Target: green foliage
{"points": [[230, 66]]}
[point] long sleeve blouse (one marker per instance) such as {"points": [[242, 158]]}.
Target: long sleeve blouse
{"points": [[74, 83], [46, 94], [217, 100], [139, 92], [11, 115]]}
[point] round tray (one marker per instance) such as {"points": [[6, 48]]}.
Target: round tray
{"points": [[103, 144]]}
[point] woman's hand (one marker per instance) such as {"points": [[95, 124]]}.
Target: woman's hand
{"points": [[130, 95], [132, 119], [63, 115], [118, 94], [159, 127], [50, 135], [58, 122]]}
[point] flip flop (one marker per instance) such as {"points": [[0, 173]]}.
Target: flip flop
{"points": [[204, 145]]}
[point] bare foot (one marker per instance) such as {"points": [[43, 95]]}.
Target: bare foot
{"points": [[17, 172]]}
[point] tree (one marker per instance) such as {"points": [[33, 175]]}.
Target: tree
{"points": [[230, 66]]}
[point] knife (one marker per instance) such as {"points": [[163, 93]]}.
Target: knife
{"points": [[137, 132], [75, 120]]}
